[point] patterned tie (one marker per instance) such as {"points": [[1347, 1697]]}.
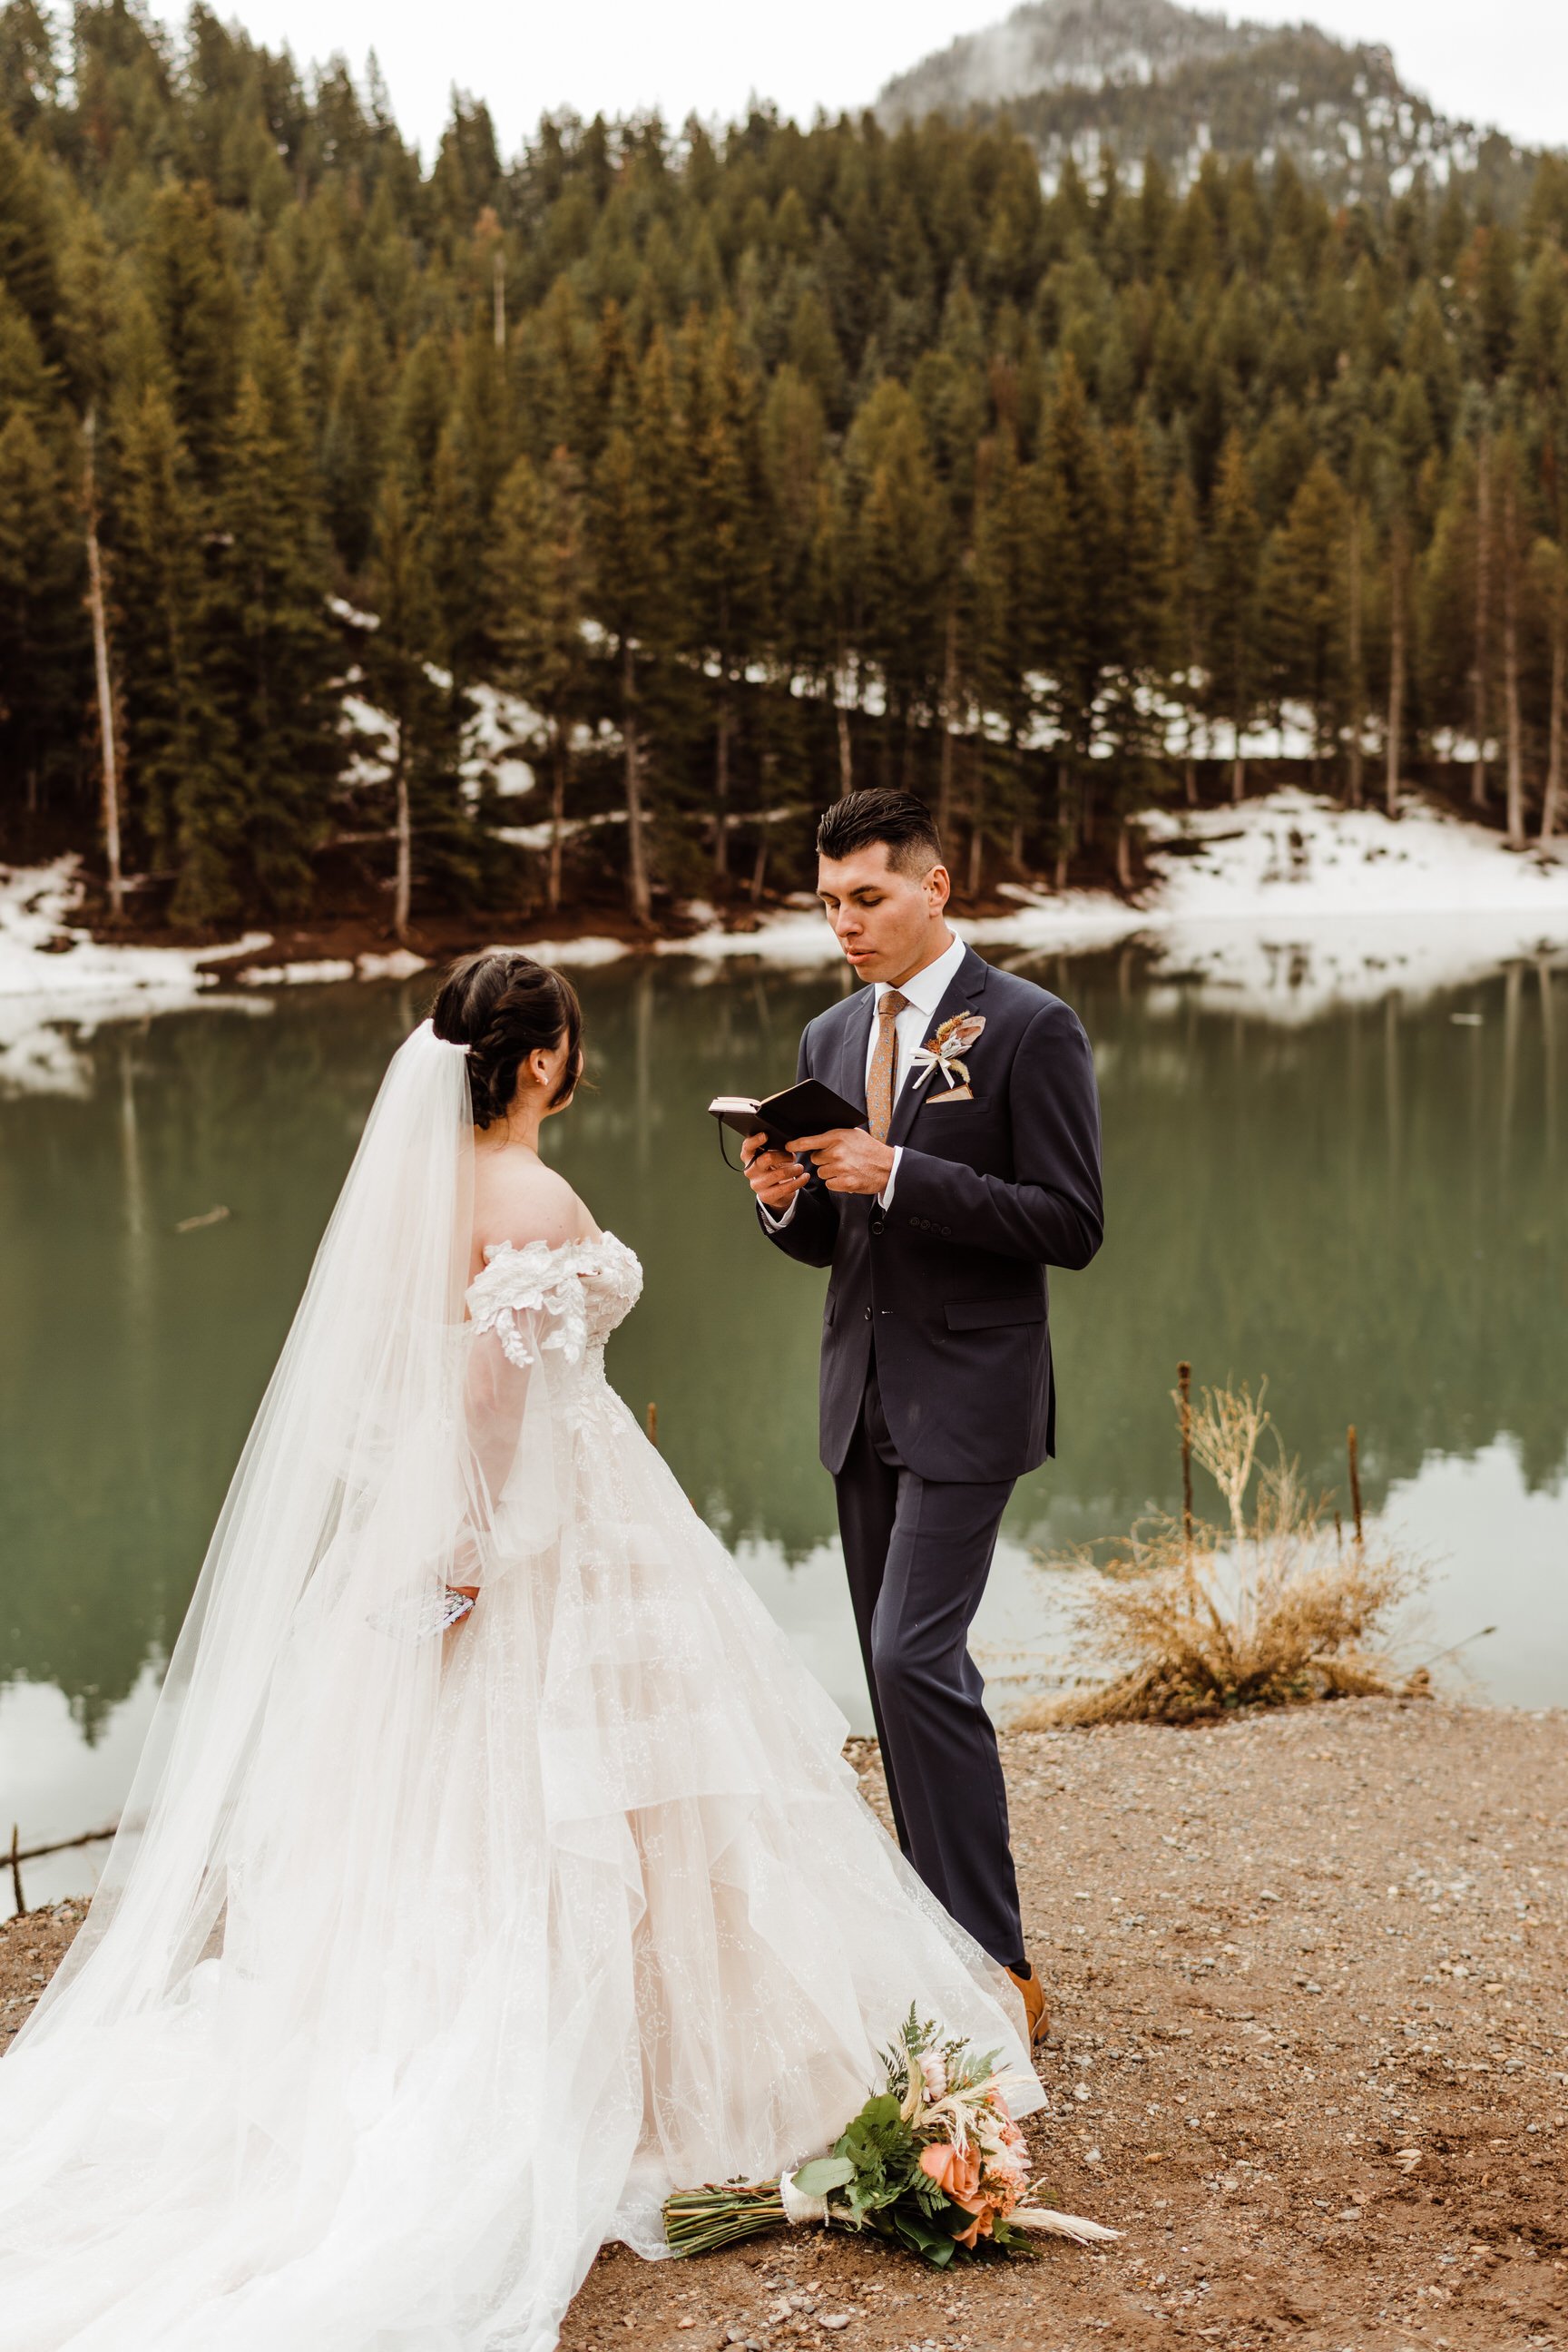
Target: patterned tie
{"points": [[884, 1061]]}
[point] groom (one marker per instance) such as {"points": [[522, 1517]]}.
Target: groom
{"points": [[978, 1168]]}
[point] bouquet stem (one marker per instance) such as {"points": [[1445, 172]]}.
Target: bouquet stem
{"points": [[699, 2221]]}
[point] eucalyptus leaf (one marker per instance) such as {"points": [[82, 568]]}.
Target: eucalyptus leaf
{"points": [[823, 2174]]}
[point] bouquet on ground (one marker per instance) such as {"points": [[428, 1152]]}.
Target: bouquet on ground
{"points": [[933, 2163]]}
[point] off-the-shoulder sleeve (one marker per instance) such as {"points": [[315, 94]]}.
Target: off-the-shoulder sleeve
{"points": [[527, 1322]]}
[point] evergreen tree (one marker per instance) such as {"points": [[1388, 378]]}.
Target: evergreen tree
{"points": [[882, 454], [424, 819], [42, 678], [29, 69], [998, 635], [1302, 608], [728, 542], [1230, 605], [637, 514], [277, 655], [1131, 719], [350, 460], [899, 547], [1181, 629], [1076, 585], [185, 772], [195, 302], [540, 587]]}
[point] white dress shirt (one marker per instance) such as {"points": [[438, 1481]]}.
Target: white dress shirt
{"points": [[921, 996]]}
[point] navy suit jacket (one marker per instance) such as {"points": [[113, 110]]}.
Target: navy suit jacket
{"points": [[949, 1282]]}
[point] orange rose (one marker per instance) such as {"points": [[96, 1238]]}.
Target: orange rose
{"points": [[979, 2228], [955, 2170]]}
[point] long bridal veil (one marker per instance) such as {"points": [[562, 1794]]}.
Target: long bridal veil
{"points": [[226, 2012], [348, 1490]]}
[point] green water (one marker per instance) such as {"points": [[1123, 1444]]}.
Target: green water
{"points": [[1367, 1207]]}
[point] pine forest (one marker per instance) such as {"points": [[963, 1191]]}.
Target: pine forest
{"points": [[696, 476]]}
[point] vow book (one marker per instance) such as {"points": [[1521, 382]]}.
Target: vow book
{"points": [[808, 1109]]}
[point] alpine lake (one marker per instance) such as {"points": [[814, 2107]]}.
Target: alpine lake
{"points": [[1366, 1205]]}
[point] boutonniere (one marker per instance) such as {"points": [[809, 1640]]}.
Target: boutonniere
{"points": [[944, 1052]]}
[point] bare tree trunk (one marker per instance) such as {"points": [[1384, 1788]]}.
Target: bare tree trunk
{"points": [[1357, 682], [101, 666], [1190, 730], [639, 894], [976, 836], [764, 829], [841, 711], [1515, 732], [1483, 617], [1064, 822], [1124, 855], [497, 297], [721, 788], [557, 814], [1396, 658], [403, 883], [1238, 763], [949, 697], [1552, 793]]}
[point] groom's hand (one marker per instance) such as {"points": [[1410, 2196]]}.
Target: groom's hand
{"points": [[849, 1158], [773, 1175]]}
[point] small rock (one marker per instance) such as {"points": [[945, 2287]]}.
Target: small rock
{"points": [[835, 2319]]}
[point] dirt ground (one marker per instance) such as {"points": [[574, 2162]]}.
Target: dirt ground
{"points": [[1311, 2057]]}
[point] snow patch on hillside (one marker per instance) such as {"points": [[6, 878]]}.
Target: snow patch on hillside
{"points": [[1281, 907]]}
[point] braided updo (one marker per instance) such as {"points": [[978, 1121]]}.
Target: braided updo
{"points": [[504, 1007]]}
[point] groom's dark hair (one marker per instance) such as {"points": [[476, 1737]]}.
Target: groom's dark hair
{"points": [[899, 819]]}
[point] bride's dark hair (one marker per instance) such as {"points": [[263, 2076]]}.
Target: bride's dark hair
{"points": [[503, 1008]]}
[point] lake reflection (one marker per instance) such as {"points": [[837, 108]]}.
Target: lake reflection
{"points": [[1368, 1208]]}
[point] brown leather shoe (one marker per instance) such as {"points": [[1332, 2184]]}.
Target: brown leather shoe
{"points": [[1035, 2009]]}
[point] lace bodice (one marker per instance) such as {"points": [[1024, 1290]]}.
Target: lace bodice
{"points": [[575, 1293]]}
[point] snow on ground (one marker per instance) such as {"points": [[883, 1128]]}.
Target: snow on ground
{"points": [[1278, 908], [1295, 853], [1290, 904], [52, 972]]}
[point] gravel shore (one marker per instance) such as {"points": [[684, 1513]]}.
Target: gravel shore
{"points": [[1311, 2056]]}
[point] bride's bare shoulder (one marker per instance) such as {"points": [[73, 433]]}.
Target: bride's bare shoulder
{"points": [[518, 1199]]}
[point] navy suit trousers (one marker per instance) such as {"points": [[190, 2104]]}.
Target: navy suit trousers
{"points": [[918, 1551]]}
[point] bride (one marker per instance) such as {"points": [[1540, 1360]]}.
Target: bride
{"points": [[492, 1868]]}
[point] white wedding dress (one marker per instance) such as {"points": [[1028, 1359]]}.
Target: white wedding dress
{"points": [[424, 1966]]}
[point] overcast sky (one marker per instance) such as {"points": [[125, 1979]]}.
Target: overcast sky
{"points": [[1504, 62]]}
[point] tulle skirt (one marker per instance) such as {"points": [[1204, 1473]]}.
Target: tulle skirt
{"points": [[643, 1932]]}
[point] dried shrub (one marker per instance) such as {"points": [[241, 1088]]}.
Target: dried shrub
{"points": [[1274, 1608]]}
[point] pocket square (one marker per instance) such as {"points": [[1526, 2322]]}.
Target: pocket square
{"points": [[953, 1094]]}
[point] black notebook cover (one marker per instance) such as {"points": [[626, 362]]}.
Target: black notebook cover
{"points": [[808, 1109]]}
